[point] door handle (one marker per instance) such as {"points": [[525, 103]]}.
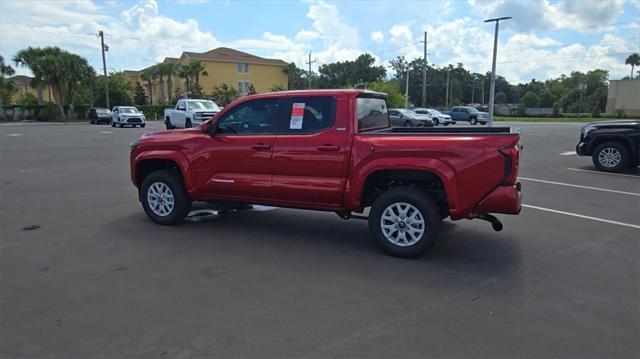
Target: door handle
{"points": [[328, 148], [260, 147]]}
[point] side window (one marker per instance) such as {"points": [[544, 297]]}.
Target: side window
{"points": [[181, 106], [309, 115], [250, 118], [115, 109]]}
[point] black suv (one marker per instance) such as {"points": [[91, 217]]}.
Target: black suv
{"points": [[98, 115], [613, 145]]}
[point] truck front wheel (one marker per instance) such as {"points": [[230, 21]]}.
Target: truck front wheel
{"points": [[167, 123], [404, 222], [164, 197], [473, 121], [610, 157]]}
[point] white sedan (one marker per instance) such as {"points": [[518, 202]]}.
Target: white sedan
{"points": [[437, 117]]}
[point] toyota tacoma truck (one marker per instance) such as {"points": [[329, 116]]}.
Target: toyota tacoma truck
{"points": [[332, 150], [189, 113]]}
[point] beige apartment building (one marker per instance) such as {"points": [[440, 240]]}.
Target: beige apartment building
{"points": [[624, 95], [223, 65]]}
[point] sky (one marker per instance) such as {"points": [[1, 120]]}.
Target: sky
{"points": [[543, 40]]}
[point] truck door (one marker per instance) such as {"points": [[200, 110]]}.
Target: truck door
{"points": [[309, 153], [238, 159], [178, 118]]}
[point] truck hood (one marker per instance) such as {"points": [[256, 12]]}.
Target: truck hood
{"points": [[171, 137], [614, 123]]}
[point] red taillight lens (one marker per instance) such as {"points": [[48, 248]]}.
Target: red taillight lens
{"points": [[511, 161]]}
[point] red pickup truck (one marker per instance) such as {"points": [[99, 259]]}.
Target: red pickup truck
{"points": [[332, 150]]}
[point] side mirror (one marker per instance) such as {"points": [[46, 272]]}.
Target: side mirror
{"points": [[208, 127]]}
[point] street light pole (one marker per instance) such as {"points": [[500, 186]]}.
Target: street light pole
{"points": [[492, 91], [406, 91], [104, 68], [446, 99], [424, 73]]}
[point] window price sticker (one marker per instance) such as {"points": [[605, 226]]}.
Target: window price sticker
{"points": [[297, 114]]}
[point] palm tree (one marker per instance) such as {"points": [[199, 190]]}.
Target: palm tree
{"points": [[183, 73], [294, 76], [169, 70], [196, 69], [149, 74], [6, 86], [165, 69], [633, 60]]}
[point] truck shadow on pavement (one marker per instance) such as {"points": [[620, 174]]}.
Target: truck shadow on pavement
{"points": [[469, 253]]}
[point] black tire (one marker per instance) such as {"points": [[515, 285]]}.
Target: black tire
{"points": [[182, 202], [143, 125], [408, 124], [473, 121], [425, 206], [121, 125], [436, 122], [612, 148], [187, 124], [167, 123]]}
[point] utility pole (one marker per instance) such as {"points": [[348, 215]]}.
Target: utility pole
{"points": [[483, 92], [492, 91], [104, 68], [424, 73], [309, 63], [446, 101], [406, 91], [473, 91]]}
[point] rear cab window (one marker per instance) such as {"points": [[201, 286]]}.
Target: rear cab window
{"points": [[309, 114], [371, 113]]}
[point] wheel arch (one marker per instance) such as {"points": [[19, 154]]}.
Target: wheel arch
{"points": [[624, 140], [147, 163]]}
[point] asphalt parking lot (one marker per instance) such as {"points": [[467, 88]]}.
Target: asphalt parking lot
{"points": [[85, 274]]}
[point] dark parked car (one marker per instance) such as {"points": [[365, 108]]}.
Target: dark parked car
{"points": [[612, 145], [98, 115], [407, 118]]}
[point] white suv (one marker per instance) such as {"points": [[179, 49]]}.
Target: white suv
{"points": [[437, 117], [127, 116]]}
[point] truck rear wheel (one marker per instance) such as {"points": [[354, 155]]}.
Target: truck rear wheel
{"points": [[404, 222], [187, 124], [164, 197], [610, 157]]}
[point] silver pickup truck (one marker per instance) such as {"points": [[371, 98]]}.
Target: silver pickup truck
{"points": [[189, 113]]}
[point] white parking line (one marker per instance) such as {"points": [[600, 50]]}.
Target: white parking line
{"points": [[14, 135], [582, 216], [106, 132], [568, 153], [578, 186], [603, 173]]}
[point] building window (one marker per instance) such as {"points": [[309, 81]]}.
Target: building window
{"points": [[242, 68], [240, 83], [247, 86]]}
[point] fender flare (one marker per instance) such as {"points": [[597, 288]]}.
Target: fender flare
{"points": [[167, 155], [355, 185]]}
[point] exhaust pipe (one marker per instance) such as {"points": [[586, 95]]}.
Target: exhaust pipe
{"points": [[495, 222]]}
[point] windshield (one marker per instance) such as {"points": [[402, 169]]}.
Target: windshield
{"points": [[102, 110], [372, 113], [128, 110], [435, 112], [472, 109], [203, 105]]}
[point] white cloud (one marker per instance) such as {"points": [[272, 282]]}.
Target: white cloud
{"points": [[305, 35], [580, 15], [377, 36]]}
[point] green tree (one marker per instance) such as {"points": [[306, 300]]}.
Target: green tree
{"points": [[65, 72], [277, 88], [394, 97], [165, 70], [140, 97], [295, 77], [121, 92], [7, 87], [633, 60], [530, 99], [224, 94], [546, 99], [501, 97], [349, 73]]}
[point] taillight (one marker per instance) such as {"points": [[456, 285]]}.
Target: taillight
{"points": [[511, 161]]}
